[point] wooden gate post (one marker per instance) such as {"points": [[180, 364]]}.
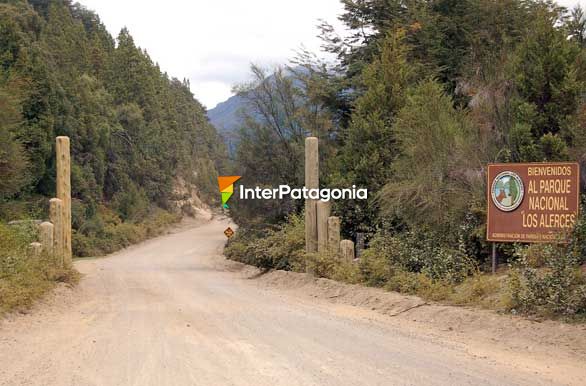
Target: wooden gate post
{"points": [[64, 193], [311, 182], [347, 250], [46, 235], [323, 212], [56, 216], [334, 234]]}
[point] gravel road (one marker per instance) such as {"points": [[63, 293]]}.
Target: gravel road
{"points": [[170, 311]]}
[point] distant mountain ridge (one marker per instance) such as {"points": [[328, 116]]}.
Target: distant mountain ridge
{"points": [[226, 117], [227, 120]]}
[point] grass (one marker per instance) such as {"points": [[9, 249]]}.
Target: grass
{"points": [[23, 278]]}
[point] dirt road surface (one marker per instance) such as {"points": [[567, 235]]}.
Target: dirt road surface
{"points": [[171, 311]]}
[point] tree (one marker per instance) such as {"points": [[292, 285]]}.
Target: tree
{"points": [[135, 132], [282, 113], [13, 161], [369, 143], [437, 174]]}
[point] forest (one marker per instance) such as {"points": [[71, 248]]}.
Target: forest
{"points": [[134, 130], [136, 135], [422, 96]]}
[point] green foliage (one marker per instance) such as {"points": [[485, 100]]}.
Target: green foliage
{"points": [[487, 291], [557, 289], [134, 130], [437, 170], [132, 203], [13, 160], [106, 232], [271, 142], [281, 248], [369, 142], [424, 95], [13, 165], [417, 253], [547, 279], [545, 76]]}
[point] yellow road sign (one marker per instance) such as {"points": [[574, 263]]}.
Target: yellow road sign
{"points": [[229, 232]]}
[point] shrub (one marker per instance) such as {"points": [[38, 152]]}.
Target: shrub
{"points": [[547, 279], [106, 232], [419, 284], [417, 253], [347, 272], [375, 267], [24, 278], [480, 289], [321, 264], [559, 288], [536, 255], [132, 203], [281, 248]]}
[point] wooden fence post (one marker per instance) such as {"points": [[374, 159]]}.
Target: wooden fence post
{"points": [[347, 250], [323, 212], [46, 235], [311, 182], [334, 234], [56, 216], [64, 193]]}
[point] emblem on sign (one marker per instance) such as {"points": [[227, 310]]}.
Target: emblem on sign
{"points": [[229, 232], [507, 191]]}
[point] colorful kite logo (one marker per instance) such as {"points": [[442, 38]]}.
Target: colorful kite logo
{"points": [[226, 184]]}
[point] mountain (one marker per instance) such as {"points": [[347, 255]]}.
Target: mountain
{"points": [[226, 117]]}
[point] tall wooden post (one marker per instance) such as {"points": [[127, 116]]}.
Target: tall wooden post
{"points": [[311, 182], [56, 216], [334, 234], [347, 250], [64, 192], [46, 236], [323, 212]]}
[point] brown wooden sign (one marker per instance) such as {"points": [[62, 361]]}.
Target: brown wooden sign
{"points": [[532, 202]]}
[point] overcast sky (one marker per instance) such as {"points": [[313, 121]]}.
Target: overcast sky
{"points": [[212, 43]]}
